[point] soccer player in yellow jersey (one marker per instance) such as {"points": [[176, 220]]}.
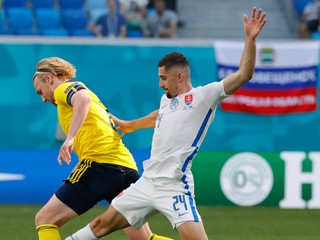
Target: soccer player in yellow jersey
{"points": [[105, 168]]}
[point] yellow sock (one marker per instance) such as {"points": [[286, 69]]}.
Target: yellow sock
{"points": [[157, 237], [48, 232]]}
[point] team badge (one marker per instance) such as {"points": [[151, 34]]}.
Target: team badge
{"points": [[174, 103], [188, 99]]}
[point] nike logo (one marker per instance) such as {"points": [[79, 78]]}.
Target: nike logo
{"points": [[181, 214], [164, 106]]}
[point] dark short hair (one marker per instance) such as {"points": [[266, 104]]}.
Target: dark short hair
{"points": [[173, 59]]}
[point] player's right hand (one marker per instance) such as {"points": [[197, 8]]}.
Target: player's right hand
{"points": [[65, 152]]}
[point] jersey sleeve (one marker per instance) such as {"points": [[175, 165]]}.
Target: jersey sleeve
{"points": [[213, 93], [65, 91]]}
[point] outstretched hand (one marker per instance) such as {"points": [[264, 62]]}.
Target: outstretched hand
{"points": [[122, 127], [253, 27]]}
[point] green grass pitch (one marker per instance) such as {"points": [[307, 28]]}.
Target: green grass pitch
{"points": [[221, 223]]}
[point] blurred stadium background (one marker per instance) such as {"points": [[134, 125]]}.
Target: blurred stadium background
{"points": [[258, 173]]}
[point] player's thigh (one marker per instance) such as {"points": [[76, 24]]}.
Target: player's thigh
{"points": [[192, 231], [54, 212], [92, 182], [136, 203]]}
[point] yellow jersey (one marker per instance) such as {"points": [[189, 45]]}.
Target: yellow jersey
{"points": [[97, 139]]}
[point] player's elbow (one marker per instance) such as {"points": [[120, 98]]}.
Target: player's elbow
{"points": [[246, 76]]}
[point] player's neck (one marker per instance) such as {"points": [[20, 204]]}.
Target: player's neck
{"points": [[186, 88]]}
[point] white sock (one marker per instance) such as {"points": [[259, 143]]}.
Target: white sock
{"points": [[83, 234]]}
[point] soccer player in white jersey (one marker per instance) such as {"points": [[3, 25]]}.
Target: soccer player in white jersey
{"points": [[180, 125]]}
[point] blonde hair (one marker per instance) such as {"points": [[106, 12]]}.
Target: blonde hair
{"points": [[56, 66]]}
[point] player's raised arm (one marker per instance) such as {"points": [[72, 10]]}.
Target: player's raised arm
{"points": [[252, 28], [148, 121]]}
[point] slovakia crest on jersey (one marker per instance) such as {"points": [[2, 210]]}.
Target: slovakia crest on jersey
{"points": [[188, 99]]}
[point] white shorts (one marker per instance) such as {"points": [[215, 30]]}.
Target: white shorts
{"points": [[146, 197]]}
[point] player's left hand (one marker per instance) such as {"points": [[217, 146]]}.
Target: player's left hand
{"points": [[253, 27]]}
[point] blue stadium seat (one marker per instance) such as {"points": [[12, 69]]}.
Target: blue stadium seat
{"points": [[74, 19], [48, 18], [315, 35], [6, 31], [14, 3], [69, 4], [134, 33], [300, 4], [76, 22], [58, 32], [3, 25], [20, 18], [2, 19], [96, 4], [21, 21], [81, 33], [26, 31], [42, 4]]}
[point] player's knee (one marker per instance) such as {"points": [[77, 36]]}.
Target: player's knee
{"points": [[145, 231], [100, 227], [96, 223], [42, 218]]}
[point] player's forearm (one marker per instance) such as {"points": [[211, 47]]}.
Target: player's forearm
{"points": [[148, 121], [248, 60], [246, 68]]}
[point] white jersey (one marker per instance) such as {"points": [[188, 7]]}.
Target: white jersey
{"points": [[181, 126]]}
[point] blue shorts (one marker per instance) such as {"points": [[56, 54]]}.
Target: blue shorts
{"points": [[92, 182]]}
